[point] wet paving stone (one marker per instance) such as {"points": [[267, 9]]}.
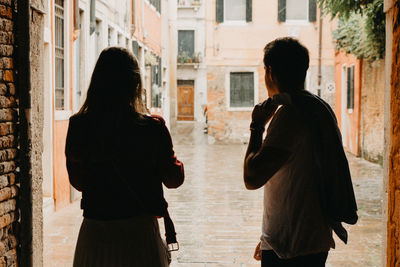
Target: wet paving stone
{"points": [[218, 221]]}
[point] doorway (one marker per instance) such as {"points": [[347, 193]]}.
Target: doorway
{"points": [[186, 100]]}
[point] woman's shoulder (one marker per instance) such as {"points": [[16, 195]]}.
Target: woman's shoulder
{"points": [[157, 119], [78, 120], [155, 122], [78, 117]]}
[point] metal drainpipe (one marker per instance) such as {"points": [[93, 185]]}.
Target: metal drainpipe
{"points": [[320, 53]]}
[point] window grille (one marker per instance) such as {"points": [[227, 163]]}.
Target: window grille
{"points": [[235, 10], [59, 55], [135, 49], [156, 84], [350, 87], [241, 89], [297, 9], [300, 10], [186, 42], [156, 4]]}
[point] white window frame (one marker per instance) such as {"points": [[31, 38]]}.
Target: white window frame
{"points": [[234, 22], [300, 22], [66, 112], [254, 70]]}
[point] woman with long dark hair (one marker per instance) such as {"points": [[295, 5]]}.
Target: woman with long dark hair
{"points": [[119, 157]]}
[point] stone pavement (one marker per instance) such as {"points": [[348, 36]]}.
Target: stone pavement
{"points": [[218, 221]]}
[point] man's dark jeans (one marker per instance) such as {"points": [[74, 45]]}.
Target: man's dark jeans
{"points": [[270, 259]]}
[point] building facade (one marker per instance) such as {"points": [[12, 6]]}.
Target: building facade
{"points": [[191, 64], [74, 35], [236, 33]]}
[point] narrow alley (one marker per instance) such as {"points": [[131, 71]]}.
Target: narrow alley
{"points": [[218, 221]]}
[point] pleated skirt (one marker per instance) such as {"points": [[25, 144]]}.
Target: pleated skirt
{"points": [[134, 242]]}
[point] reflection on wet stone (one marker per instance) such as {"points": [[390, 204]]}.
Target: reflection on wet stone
{"points": [[218, 221]]}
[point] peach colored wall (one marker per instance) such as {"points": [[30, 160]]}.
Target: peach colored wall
{"points": [[137, 18], [352, 119], [152, 24], [61, 182], [242, 45]]}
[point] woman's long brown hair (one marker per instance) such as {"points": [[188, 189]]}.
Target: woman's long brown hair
{"points": [[115, 86]]}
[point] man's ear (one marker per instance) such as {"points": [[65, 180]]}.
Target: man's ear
{"points": [[270, 73]]}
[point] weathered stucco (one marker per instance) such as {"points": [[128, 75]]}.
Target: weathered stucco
{"points": [[36, 129], [372, 110], [393, 224], [224, 125]]}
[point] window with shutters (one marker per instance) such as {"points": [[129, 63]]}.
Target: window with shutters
{"points": [[156, 84], [297, 10], [234, 11], [241, 94], [186, 43], [59, 45], [97, 40], [350, 87], [110, 36], [135, 49], [156, 4]]}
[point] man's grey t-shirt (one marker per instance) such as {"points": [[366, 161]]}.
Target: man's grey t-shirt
{"points": [[293, 222]]}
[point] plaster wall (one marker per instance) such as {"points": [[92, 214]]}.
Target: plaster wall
{"points": [[372, 110], [36, 127], [172, 55], [152, 28]]}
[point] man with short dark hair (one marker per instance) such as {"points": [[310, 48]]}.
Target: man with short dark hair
{"points": [[295, 165]]}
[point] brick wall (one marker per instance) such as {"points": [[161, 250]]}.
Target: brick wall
{"points": [[8, 139], [372, 110]]}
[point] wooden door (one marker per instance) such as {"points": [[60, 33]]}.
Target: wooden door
{"points": [[186, 100]]}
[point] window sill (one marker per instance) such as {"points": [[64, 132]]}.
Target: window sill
{"points": [[234, 23], [189, 7], [194, 65], [350, 111], [62, 115], [240, 109], [297, 23]]}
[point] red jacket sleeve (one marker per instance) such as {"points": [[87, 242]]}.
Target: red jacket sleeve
{"points": [[172, 169]]}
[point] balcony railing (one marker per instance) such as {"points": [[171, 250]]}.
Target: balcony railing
{"points": [[185, 58], [189, 3]]}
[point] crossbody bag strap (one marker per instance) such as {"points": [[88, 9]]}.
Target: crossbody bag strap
{"points": [[169, 226]]}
